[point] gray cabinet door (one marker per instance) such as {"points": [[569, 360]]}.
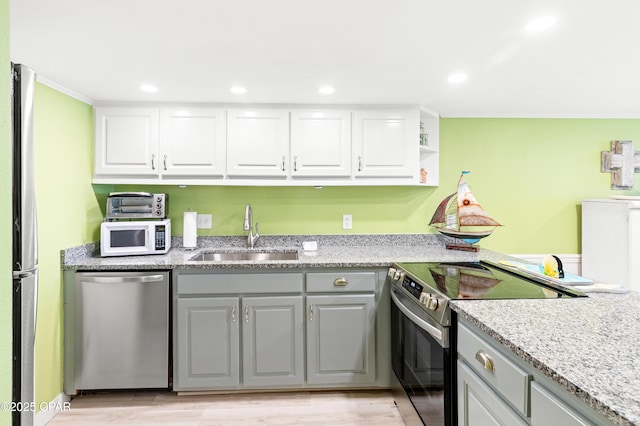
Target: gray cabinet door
{"points": [[272, 341], [341, 339], [208, 343]]}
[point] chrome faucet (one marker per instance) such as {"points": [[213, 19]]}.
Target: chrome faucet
{"points": [[248, 226]]}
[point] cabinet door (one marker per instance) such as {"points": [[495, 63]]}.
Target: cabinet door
{"points": [[341, 339], [126, 142], [321, 143], [193, 142], [272, 341], [258, 143], [480, 405], [386, 144], [208, 342], [548, 409]]}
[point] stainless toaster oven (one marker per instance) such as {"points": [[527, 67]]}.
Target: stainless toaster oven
{"points": [[136, 205]]}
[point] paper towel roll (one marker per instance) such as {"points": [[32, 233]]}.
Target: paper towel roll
{"points": [[190, 230]]}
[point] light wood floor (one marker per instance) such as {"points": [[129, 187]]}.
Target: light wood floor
{"points": [[295, 408]]}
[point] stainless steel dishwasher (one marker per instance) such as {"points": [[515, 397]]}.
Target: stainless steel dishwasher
{"points": [[121, 330]]}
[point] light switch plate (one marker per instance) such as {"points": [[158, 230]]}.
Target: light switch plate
{"points": [[204, 221], [347, 221]]}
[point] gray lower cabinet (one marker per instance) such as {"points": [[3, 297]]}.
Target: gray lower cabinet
{"points": [[272, 341], [478, 404], [208, 343], [341, 339], [495, 387]]}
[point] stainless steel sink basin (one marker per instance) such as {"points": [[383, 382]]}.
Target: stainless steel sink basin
{"points": [[256, 256]]}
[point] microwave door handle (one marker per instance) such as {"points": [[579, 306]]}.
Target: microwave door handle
{"points": [[433, 331]]}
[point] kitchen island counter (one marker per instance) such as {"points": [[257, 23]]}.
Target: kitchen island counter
{"points": [[589, 346]]}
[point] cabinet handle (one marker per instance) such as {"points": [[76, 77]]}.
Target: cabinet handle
{"points": [[153, 161], [246, 313], [341, 282], [233, 313], [295, 163], [359, 163], [485, 360], [283, 160], [311, 312], [165, 161]]}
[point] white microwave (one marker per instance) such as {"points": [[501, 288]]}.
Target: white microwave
{"points": [[135, 237]]}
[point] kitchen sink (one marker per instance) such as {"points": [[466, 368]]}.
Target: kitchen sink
{"points": [[254, 255]]}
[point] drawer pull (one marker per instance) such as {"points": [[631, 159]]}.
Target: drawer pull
{"points": [[484, 359], [340, 282]]}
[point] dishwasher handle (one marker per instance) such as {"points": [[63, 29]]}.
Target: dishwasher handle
{"points": [[125, 279]]}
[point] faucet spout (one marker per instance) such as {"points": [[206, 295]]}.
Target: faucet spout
{"points": [[252, 238]]}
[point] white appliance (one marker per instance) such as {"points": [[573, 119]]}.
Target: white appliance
{"points": [[25, 245], [611, 241], [135, 237]]}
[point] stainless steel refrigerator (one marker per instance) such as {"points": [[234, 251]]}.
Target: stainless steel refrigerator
{"points": [[25, 245]]}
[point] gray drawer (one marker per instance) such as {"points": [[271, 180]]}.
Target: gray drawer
{"points": [[258, 283], [507, 378], [341, 282]]}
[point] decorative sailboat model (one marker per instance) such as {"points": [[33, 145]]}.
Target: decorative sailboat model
{"points": [[460, 216]]}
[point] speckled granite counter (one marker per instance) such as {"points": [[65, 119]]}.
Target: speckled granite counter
{"points": [[591, 347], [333, 251]]}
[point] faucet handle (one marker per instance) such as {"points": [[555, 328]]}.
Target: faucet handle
{"points": [[257, 234]]}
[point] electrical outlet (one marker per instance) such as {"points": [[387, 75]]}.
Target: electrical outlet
{"points": [[347, 221], [204, 221]]}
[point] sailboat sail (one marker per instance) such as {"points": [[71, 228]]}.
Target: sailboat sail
{"points": [[459, 213]]}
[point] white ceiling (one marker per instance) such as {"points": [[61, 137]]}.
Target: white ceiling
{"points": [[371, 51]]}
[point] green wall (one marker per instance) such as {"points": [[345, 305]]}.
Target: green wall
{"points": [[529, 174], [68, 212], [5, 216]]}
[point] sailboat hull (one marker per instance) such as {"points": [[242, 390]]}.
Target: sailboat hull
{"points": [[470, 237]]}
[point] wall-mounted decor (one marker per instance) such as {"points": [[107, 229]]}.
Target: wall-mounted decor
{"points": [[622, 162]]}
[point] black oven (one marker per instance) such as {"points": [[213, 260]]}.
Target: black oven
{"points": [[422, 360]]}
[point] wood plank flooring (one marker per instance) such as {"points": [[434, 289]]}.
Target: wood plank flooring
{"points": [[289, 408]]}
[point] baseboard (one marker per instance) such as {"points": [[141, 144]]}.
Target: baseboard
{"points": [[571, 263], [48, 410]]}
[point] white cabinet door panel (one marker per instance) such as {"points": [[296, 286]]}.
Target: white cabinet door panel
{"points": [[321, 143], [126, 141], [386, 144], [193, 142], [257, 143]]}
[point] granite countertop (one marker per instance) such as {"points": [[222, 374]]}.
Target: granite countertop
{"points": [[589, 346], [333, 251]]}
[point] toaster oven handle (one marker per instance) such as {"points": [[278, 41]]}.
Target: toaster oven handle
{"points": [[130, 194], [432, 330]]}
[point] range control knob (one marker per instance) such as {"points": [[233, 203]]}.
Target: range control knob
{"points": [[394, 274], [429, 301]]}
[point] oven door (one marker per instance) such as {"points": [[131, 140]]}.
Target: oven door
{"points": [[421, 361]]}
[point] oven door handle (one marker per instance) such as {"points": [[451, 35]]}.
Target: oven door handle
{"points": [[420, 322]]}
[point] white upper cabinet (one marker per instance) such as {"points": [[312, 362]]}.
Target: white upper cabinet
{"points": [[193, 142], [321, 143], [258, 143], [282, 145], [126, 142], [386, 144]]}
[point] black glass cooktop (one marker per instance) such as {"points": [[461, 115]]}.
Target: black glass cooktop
{"points": [[474, 280]]}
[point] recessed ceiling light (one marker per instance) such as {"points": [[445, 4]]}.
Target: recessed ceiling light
{"points": [[457, 78], [148, 88], [542, 23], [238, 90], [326, 90]]}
